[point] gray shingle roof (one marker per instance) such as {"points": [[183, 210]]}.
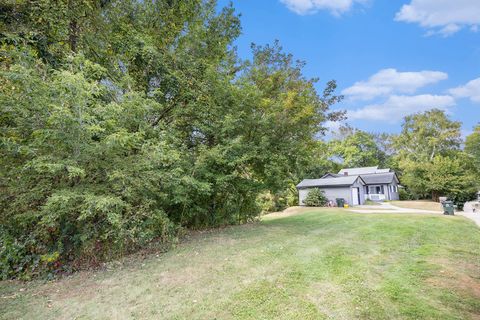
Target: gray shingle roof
{"points": [[332, 175], [327, 182], [378, 178], [358, 171]]}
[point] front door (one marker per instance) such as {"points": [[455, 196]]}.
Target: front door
{"points": [[355, 196]]}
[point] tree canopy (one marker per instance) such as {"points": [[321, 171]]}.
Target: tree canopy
{"points": [[357, 148], [124, 121], [428, 155]]}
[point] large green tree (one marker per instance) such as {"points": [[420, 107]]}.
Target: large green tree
{"points": [[425, 135], [357, 148], [429, 157], [124, 121], [472, 147]]}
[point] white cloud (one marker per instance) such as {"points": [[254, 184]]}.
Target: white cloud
{"points": [[390, 81], [445, 17], [471, 90], [336, 7], [398, 106]]}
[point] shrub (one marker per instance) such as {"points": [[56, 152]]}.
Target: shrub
{"points": [[316, 198], [404, 194]]}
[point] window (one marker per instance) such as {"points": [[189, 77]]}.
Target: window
{"points": [[376, 190]]}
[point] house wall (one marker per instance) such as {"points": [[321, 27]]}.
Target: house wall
{"points": [[332, 193], [302, 194], [361, 188], [394, 195]]}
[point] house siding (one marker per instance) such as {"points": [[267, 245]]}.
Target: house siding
{"points": [[394, 195], [332, 193], [361, 189]]}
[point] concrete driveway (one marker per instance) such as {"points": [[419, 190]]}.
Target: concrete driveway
{"points": [[389, 208]]}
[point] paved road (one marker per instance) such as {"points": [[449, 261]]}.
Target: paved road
{"points": [[388, 208]]}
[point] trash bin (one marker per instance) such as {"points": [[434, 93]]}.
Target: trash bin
{"points": [[340, 202], [448, 208]]}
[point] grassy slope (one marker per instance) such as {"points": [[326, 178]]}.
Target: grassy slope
{"points": [[313, 265], [419, 204]]}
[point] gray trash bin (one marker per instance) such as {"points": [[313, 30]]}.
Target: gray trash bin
{"points": [[448, 208]]}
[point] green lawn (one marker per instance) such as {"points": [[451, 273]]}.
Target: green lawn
{"points": [[419, 204], [317, 264]]}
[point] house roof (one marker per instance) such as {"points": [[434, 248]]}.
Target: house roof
{"points": [[329, 182], [358, 171], [332, 175], [379, 178]]}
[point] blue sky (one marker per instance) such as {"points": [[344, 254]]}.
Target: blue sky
{"points": [[389, 57]]}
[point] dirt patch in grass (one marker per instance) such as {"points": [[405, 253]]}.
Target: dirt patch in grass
{"points": [[419, 204], [461, 276], [291, 212], [331, 300]]}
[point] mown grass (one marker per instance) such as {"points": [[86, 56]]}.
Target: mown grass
{"points": [[317, 264], [419, 204]]}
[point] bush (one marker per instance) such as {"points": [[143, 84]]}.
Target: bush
{"points": [[459, 199], [404, 194], [316, 198]]}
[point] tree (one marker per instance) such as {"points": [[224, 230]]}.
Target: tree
{"points": [[449, 176], [425, 135], [472, 147], [428, 156], [123, 122], [287, 115], [357, 148]]}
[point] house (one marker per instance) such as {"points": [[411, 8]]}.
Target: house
{"points": [[350, 188], [354, 185]]}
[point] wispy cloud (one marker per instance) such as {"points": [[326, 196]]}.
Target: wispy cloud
{"points": [[336, 7], [390, 81], [470, 90], [398, 106], [444, 17]]}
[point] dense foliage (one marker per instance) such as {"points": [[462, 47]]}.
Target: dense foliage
{"points": [[123, 121], [356, 148], [429, 157]]}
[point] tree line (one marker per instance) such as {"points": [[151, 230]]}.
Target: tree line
{"points": [[429, 154], [123, 122]]}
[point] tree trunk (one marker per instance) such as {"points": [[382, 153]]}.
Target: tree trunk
{"points": [[73, 35], [73, 26]]}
